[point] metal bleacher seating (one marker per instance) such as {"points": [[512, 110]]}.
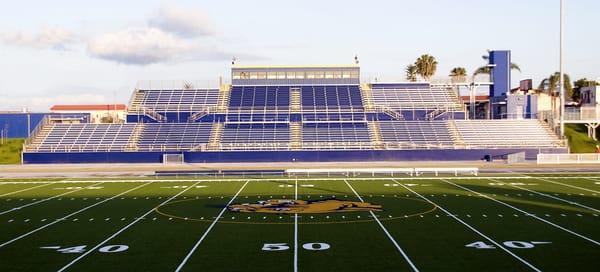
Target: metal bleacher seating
{"points": [[506, 133], [83, 137], [255, 136], [174, 100], [173, 136], [416, 134], [336, 135], [414, 96], [331, 97], [259, 97]]}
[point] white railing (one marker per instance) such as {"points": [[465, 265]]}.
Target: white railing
{"points": [[378, 171], [583, 113], [581, 158], [177, 84]]}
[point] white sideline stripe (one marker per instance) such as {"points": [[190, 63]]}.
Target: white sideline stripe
{"points": [[45, 199], [556, 198], [307, 179], [296, 230], [187, 257], [412, 265], [526, 213], [569, 185], [26, 189], [67, 216], [470, 227], [124, 228]]}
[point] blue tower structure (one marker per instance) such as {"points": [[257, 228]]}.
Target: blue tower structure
{"points": [[499, 61]]}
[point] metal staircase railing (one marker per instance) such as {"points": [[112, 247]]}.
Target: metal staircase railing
{"points": [[134, 139], [295, 135], [196, 116], [455, 134], [375, 133], [214, 141], [154, 115]]}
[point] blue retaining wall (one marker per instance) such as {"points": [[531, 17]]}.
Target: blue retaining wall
{"points": [[282, 156], [19, 125]]}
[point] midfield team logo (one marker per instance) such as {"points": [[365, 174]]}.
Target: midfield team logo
{"points": [[302, 206]]}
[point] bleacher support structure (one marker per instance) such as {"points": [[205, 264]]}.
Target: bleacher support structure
{"points": [[292, 114]]}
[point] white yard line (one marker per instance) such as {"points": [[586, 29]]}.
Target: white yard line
{"points": [[296, 230], [187, 257], [555, 198], [569, 185], [470, 227], [23, 190], [124, 228], [412, 265], [526, 213], [45, 199], [67, 216]]}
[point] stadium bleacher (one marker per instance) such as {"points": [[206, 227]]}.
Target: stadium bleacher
{"points": [[174, 100], [336, 135], [306, 118], [83, 137], [255, 136], [173, 136], [416, 133], [414, 96], [259, 97], [506, 133], [331, 97]]}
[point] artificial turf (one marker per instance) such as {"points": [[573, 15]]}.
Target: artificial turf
{"points": [[516, 223]]}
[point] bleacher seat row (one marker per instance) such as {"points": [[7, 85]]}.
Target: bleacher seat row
{"points": [[397, 134]]}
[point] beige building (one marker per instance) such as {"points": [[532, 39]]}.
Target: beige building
{"points": [[106, 113]]}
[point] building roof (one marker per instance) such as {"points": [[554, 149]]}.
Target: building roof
{"points": [[88, 107], [325, 66], [477, 98]]}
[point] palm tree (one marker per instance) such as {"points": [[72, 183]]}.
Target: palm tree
{"points": [[411, 73], [426, 66], [487, 70], [458, 74], [551, 84]]}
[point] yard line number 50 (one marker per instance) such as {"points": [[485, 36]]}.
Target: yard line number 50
{"points": [[285, 246]]}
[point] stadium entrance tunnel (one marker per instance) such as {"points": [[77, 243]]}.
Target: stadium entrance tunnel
{"points": [[311, 209]]}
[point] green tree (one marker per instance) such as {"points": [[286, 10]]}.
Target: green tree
{"points": [[411, 73], [426, 66], [580, 83], [551, 83], [458, 74]]}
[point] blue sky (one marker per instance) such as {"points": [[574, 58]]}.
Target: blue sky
{"points": [[95, 51]]}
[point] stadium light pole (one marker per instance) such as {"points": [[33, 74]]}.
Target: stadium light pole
{"points": [[561, 71]]}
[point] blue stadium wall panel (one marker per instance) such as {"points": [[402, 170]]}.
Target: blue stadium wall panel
{"points": [[19, 125], [94, 157], [282, 156]]}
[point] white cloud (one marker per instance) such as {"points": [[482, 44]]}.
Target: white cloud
{"points": [[188, 22], [148, 45], [46, 38], [142, 46]]}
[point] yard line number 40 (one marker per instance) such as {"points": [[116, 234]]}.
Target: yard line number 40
{"points": [[81, 249], [510, 244]]}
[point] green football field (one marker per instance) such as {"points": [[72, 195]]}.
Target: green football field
{"points": [[533, 222]]}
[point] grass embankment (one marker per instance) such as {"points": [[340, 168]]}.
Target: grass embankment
{"points": [[10, 152], [579, 142]]}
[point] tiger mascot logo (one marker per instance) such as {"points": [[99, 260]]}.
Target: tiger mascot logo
{"points": [[301, 206]]}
